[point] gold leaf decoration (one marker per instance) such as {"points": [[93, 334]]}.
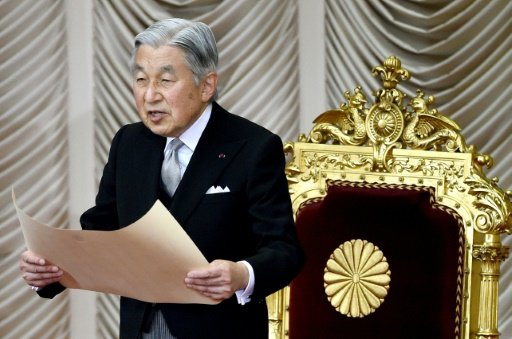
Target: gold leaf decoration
{"points": [[356, 278]]}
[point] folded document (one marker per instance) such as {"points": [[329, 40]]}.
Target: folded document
{"points": [[147, 260]]}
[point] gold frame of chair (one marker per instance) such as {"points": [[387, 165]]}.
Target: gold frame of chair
{"points": [[397, 144]]}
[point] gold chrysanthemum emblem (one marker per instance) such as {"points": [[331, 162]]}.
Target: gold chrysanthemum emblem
{"points": [[356, 278]]}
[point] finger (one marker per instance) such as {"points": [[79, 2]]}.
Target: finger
{"points": [[45, 282], [34, 264], [41, 280], [32, 277], [214, 270], [210, 291], [31, 268], [217, 294], [207, 273], [45, 269], [30, 258], [207, 281]]}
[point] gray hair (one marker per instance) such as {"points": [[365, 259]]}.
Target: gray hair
{"points": [[195, 39]]}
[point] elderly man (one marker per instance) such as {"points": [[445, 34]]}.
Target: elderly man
{"points": [[185, 146]]}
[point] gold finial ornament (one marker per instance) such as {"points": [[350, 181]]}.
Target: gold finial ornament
{"points": [[356, 278], [391, 72]]}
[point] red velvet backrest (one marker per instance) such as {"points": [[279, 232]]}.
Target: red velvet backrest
{"points": [[421, 245]]}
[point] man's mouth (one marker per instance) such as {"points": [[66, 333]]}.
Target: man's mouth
{"points": [[156, 116]]}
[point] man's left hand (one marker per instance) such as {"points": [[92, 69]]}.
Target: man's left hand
{"points": [[219, 280]]}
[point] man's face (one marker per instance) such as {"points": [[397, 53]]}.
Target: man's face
{"points": [[167, 99]]}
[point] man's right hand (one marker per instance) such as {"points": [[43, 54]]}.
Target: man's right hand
{"points": [[36, 272]]}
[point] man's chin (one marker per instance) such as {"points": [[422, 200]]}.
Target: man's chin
{"points": [[159, 130]]}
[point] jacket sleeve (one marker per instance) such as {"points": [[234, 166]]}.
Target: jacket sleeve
{"points": [[51, 290], [103, 216], [278, 257]]}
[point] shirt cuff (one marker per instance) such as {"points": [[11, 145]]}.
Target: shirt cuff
{"points": [[244, 296]]}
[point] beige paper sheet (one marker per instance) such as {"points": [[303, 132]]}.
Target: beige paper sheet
{"points": [[147, 260]]}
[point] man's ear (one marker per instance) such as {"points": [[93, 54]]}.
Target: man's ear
{"points": [[209, 84]]}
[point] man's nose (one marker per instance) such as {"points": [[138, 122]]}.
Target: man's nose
{"points": [[152, 94]]}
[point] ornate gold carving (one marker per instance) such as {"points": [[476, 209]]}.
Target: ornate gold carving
{"points": [[397, 142], [345, 125], [493, 205], [451, 171], [427, 129], [489, 253], [356, 278], [276, 313], [388, 123], [387, 127], [385, 123], [315, 163], [391, 72]]}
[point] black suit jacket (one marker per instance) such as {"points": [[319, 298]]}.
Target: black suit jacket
{"points": [[252, 222]]}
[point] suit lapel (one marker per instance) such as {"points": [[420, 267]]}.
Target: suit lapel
{"points": [[148, 168], [139, 157], [211, 157]]}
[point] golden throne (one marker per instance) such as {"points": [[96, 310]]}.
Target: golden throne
{"points": [[400, 225]]}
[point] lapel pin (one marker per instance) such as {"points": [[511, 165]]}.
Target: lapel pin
{"points": [[222, 155]]}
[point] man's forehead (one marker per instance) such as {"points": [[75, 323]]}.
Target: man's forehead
{"points": [[163, 59]]}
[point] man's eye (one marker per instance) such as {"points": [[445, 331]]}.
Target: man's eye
{"points": [[140, 80]]}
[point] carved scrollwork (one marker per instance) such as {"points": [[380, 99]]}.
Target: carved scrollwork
{"points": [[316, 163], [452, 172], [407, 165], [493, 205]]}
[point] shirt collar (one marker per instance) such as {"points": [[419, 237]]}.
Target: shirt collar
{"points": [[192, 135]]}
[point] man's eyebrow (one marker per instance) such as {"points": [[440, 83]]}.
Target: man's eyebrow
{"points": [[167, 69], [163, 69], [137, 68]]}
